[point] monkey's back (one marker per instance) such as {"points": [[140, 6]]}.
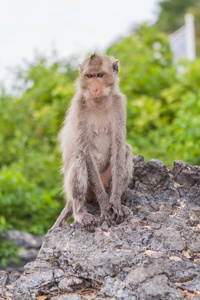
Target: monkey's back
{"points": [[67, 135]]}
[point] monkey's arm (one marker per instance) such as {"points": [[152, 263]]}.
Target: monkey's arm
{"points": [[118, 163], [118, 172]]}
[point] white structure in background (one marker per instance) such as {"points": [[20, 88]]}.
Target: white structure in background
{"points": [[182, 41]]}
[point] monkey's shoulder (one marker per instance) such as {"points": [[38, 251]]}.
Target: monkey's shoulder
{"points": [[120, 97]]}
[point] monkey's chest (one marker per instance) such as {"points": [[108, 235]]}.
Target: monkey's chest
{"points": [[101, 146]]}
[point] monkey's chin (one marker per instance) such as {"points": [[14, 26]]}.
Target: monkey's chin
{"points": [[98, 99], [100, 102]]}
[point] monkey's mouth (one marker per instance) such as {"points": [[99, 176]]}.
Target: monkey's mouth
{"points": [[97, 99]]}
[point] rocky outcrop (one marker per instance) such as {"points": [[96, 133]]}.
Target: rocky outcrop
{"points": [[153, 255], [28, 245]]}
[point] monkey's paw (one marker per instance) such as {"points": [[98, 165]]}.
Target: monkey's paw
{"points": [[120, 212], [89, 222], [117, 213], [106, 216], [127, 212]]}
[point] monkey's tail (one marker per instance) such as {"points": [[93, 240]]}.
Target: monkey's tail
{"points": [[65, 215]]}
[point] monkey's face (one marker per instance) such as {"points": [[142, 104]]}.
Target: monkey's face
{"points": [[98, 78], [96, 85]]}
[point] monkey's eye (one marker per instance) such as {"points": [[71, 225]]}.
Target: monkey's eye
{"points": [[100, 74], [89, 75]]}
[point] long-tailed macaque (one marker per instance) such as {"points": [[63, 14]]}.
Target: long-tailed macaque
{"points": [[97, 162]]}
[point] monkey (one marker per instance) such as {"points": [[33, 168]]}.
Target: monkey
{"points": [[97, 161]]}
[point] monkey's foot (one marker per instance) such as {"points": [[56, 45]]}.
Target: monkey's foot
{"points": [[126, 211], [106, 216], [89, 222], [117, 213], [120, 212]]}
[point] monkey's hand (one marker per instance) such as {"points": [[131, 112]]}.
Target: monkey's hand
{"points": [[119, 212], [126, 211], [106, 215]]}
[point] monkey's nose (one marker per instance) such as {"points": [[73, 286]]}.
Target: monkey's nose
{"points": [[95, 90]]}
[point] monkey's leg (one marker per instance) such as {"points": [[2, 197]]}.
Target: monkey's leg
{"points": [[121, 212], [106, 177], [101, 195], [75, 186]]}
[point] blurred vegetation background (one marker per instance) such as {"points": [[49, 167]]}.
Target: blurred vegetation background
{"points": [[163, 119]]}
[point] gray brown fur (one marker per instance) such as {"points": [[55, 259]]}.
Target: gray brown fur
{"points": [[97, 162]]}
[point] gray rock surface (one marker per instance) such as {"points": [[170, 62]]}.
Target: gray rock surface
{"points": [[153, 255], [29, 246]]}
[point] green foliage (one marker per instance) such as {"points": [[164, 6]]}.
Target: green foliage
{"points": [[147, 73], [24, 203], [8, 250], [171, 16], [172, 12], [184, 130], [30, 181], [158, 98]]}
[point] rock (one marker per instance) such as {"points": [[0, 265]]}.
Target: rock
{"points": [[158, 287], [23, 239], [153, 255], [166, 239], [29, 246]]}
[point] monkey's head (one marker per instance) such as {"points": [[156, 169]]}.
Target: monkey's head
{"points": [[98, 78]]}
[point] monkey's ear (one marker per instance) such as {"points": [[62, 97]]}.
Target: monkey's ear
{"points": [[115, 66]]}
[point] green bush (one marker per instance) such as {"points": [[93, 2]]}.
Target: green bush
{"points": [[8, 250], [161, 100], [30, 180], [24, 204]]}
